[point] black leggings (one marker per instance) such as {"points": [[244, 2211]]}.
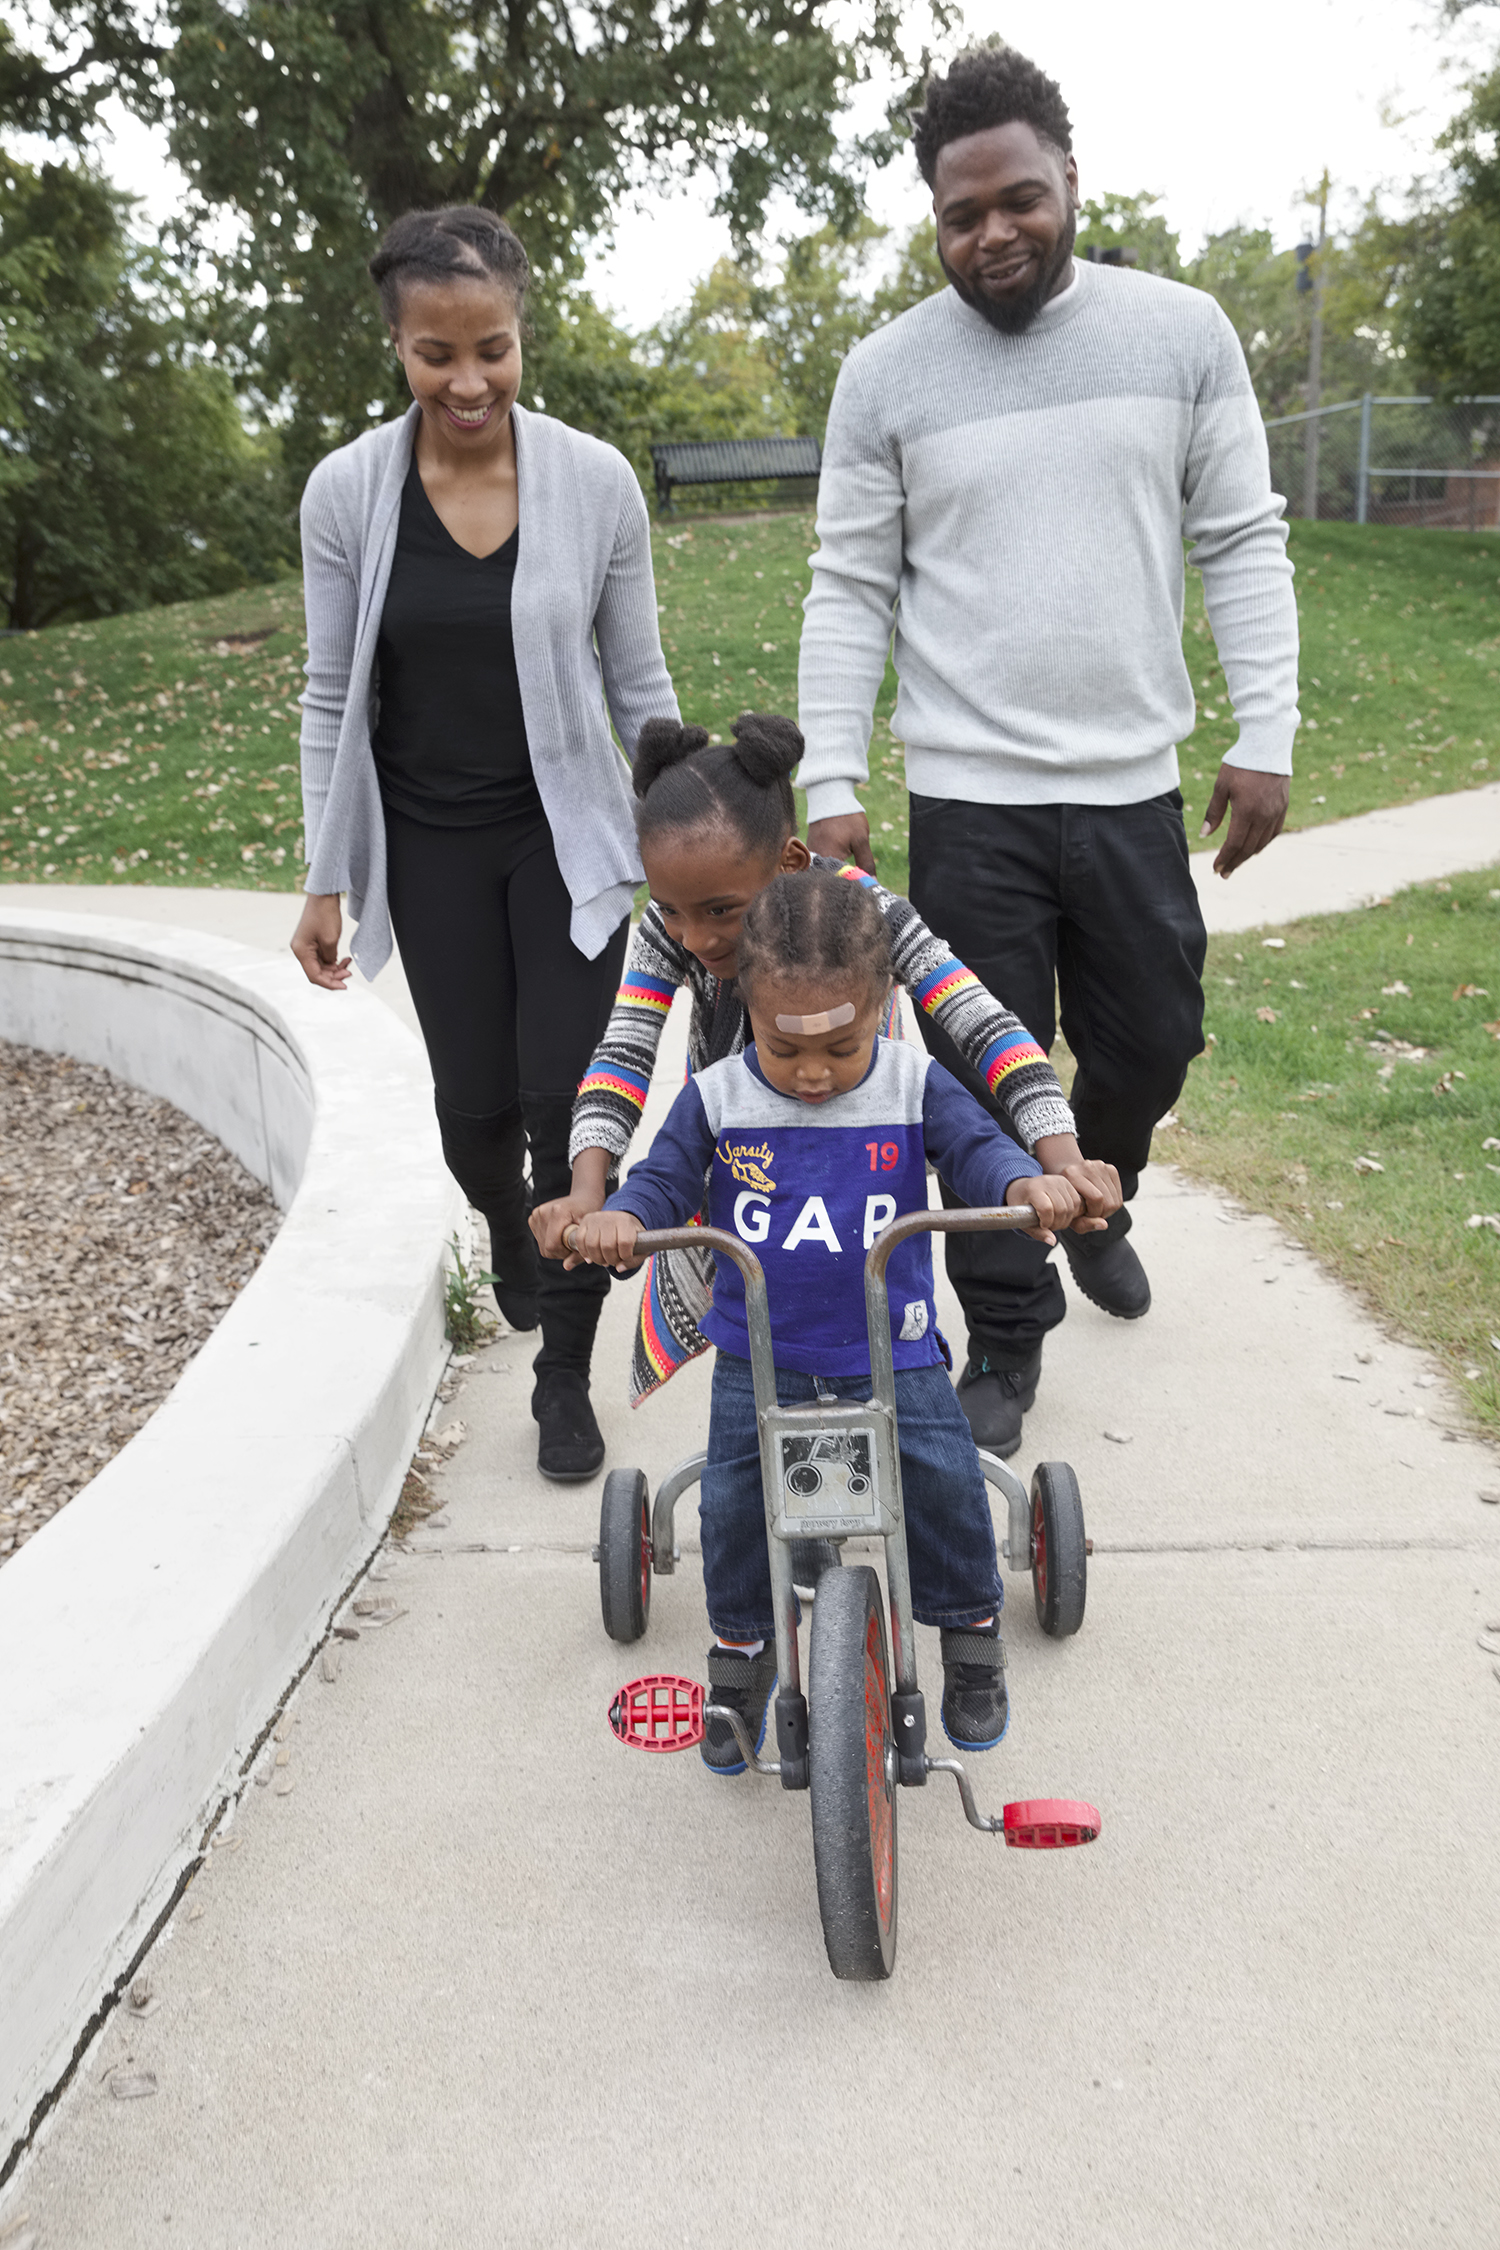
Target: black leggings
{"points": [[511, 1013]]}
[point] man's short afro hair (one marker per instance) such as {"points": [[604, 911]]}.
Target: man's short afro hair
{"points": [[988, 85]]}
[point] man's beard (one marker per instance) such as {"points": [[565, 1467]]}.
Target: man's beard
{"points": [[1014, 315]]}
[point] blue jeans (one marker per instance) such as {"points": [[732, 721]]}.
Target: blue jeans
{"points": [[950, 1536]]}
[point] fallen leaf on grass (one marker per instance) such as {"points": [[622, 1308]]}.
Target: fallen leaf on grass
{"points": [[1274, 944], [1448, 1081], [1470, 992], [1368, 1164], [1391, 991], [1490, 1219], [1265, 1015]]}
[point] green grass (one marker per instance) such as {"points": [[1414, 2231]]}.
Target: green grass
{"points": [[142, 749], [1400, 671], [159, 747], [1308, 1071]]}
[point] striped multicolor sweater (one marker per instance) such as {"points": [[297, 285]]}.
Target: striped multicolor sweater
{"points": [[679, 1284], [613, 1092]]}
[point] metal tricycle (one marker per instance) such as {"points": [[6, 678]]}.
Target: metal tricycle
{"points": [[832, 1471]]}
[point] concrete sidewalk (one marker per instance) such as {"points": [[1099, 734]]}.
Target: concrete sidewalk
{"points": [[466, 1973], [481, 1977]]}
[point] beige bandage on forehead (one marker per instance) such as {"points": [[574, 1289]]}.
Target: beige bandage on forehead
{"points": [[807, 1027]]}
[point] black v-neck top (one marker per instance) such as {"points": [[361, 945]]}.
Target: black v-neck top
{"points": [[450, 745]]}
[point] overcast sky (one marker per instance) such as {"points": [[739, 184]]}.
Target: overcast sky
{"points": [[1227, 112]]}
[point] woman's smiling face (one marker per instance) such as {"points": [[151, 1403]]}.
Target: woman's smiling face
{"points": [[459, 342], [703, 879]]}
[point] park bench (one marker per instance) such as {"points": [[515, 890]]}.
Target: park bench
{"points": [[732, 461]]}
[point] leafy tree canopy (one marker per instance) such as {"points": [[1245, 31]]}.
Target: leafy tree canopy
{"points": [[316, 122], [1448, 299], [125, 475]]}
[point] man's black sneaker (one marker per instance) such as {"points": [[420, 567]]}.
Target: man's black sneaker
{"points": [[1109, 1273], [976, 1708], [746, 1684], [810, 1558], [570, 1447], [994, 1400]]}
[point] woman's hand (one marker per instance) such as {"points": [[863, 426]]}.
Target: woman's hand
{"points": [[551, 1221], [604, 1238], [315, 941], [1055, 1201], [1097, 1183]]}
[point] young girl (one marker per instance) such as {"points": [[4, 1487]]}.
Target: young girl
{"points": [[814, 1139], [716, 824]]}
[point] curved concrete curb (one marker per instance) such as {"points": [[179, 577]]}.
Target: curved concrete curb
{"points": [[149, 1630]]}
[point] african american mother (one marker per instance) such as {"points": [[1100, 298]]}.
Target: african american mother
{"points": [[475, 573]]}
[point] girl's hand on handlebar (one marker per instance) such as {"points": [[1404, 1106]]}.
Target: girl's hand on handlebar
{"points": [[1098, 1184], [604, 1238], [550, 1222], [1055, 1201], [315, 941]]}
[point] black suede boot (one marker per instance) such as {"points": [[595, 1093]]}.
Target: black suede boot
{"points": [[487, 1157], [571, 1446]]}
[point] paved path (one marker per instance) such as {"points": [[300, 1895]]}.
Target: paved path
{"points": [[480, 1977]]}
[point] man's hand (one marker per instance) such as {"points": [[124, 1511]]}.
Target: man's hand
{"points": [[1056, 1203], [1256, 804], [604, 1238], [315, 941], [1097, 1183], [846, 836]]}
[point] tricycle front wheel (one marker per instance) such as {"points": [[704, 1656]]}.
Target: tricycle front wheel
{"points": [[625, 1554], [852, 1775]]}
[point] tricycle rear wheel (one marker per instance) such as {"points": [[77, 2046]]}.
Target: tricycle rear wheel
{"points": [[853, 1775], [1059, 1552], [625, 1554]]}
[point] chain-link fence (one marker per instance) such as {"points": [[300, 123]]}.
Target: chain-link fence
{"points": [[1392, 460]]}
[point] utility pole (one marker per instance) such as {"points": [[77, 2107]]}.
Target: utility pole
{"points": [[1315, 358]]}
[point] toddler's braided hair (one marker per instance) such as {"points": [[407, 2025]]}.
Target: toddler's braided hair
{"points": [[812, 924], [682, 781]]}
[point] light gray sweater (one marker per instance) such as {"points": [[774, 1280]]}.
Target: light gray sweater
{"points": [[1019, 504], [583, 613]]}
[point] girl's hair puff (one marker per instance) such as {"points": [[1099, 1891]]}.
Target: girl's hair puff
{"points": [[813, 924], [682, 781]]}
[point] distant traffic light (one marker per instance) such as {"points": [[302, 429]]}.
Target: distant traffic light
{"points": [[1304, 269]]}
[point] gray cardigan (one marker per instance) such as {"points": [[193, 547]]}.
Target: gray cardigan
{"points": [[583, 611]]}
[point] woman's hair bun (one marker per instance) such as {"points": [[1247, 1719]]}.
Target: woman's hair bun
{"points": [[767, 745], [662, 743]]}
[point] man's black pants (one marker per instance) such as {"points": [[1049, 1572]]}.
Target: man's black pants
{"points": [[1094, 903]]}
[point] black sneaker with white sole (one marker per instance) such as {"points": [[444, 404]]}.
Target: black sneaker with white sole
{"points": [[995, 1398], [746, 1684], [976, 1708]]}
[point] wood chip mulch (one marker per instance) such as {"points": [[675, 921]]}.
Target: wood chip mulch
{"points": [[126, 1231]]}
